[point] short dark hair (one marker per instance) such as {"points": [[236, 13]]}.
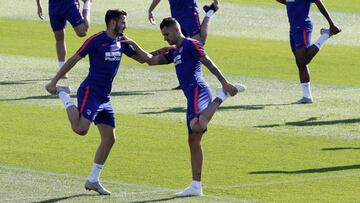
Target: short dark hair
{"points": [[168, 22], [114, 14]]}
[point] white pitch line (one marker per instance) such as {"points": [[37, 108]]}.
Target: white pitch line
{"points": [[284, 182]]}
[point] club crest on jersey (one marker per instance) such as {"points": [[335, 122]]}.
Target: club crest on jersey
{"points": [[88, 112], [113, 56], [177, 60]]}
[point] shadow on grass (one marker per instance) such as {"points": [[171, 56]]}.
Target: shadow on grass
{"points": [[128, 93], [340, 148], [222, 108], [58, 199], [170, 110], [22, 82], [312, 170], [144, 92], [312, 122], [160, 200]]}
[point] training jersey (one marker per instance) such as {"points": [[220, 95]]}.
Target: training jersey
{"points": [[298, 14], [187, 63], [104, 55], [183, 8], [61, 6]]}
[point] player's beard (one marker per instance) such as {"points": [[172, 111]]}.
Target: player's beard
{"points": [[118, 31]]}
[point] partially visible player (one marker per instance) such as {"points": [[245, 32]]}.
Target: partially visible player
{"points": [[61, 11], [300, 39], [105, 52], [187, 14], [188, 57]]}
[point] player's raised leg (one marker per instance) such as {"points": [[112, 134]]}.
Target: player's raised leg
{"points": [[79, 123], [86, 12], [209, 12]]}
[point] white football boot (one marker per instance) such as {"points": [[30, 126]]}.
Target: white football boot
{"points": [[97, 187], [190, 191]]}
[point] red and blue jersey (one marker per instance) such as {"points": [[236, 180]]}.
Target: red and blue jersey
{"points": [[187, 63], [298, 14], [183, 8], [104, 55]]}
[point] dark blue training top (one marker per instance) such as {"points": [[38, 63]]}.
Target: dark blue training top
{"points": [[182, 8], [298, 14], [104, 55]]}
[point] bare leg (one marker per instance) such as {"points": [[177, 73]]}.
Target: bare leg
{"points": [[60, 44], [196, 155], [81, 30], [79, 123], [107, 141]]}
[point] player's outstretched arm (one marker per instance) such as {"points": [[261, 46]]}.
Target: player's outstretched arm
{"points": [[153, 5], [70, 63], [227, 87], [333, 28], [281, 1], [39, 9], [145, 56]]}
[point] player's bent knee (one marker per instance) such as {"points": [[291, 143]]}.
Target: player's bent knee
{"points": [[80, 131], [197, 128]]}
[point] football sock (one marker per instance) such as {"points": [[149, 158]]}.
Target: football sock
{"points": [[322, 39], [210, 13], [65, 98], [95, 173], [306, 89], [61, 64], [87, 5], [196, 184]]}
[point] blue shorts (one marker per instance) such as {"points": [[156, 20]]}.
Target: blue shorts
{"points": [[67, 10], [94, 108], [198, 98], [300, 38], [190, 26]]}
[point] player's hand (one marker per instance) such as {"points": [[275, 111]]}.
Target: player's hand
{"points": [[166, 49], [334, 29], [127, 40], [229, 88], [151, 18], [40, 12], [51, 88]]}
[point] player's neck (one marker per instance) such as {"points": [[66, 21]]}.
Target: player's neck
{"points": [[111, 34], [180, 41]]}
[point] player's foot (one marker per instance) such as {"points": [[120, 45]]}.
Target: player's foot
{"points": [[304, 100], [211, 7], [190, 191], [97, 187], [63, 89], [177, 88], [221, 94]]}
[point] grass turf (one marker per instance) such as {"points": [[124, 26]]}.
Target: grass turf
{"points": [[152, 151]]}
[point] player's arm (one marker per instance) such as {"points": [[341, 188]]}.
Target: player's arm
{"points": [[216, 71], [281, 1], [333, 28], [142, 55], [39, 9], [153, 5], [69, 64], [160, 51]]}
